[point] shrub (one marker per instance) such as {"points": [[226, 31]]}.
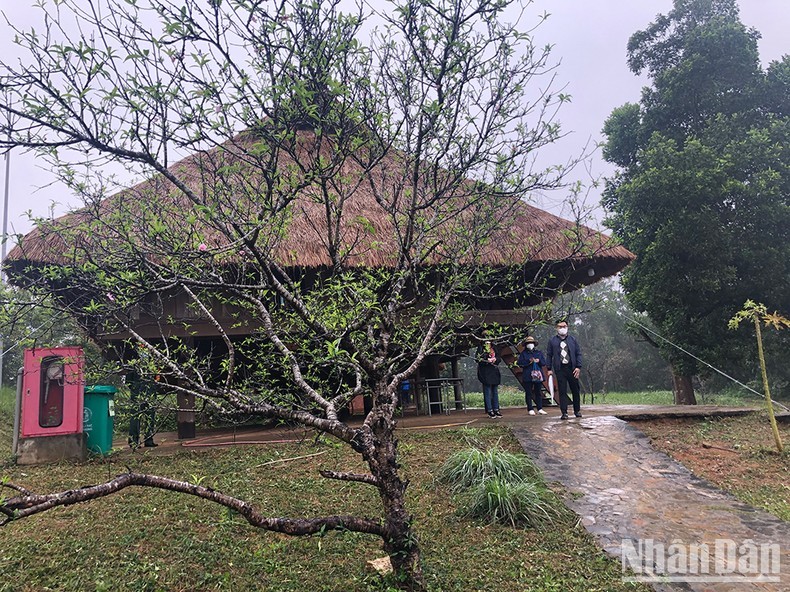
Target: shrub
{"points": [[472, 466], [499, 487], [519, 503]]}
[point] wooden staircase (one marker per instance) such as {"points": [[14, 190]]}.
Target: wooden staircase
{"points": [[509, 355]]}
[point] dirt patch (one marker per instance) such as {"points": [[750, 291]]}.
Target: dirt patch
{"points": [[736, 454]]}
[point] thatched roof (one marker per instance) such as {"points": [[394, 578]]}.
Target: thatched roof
{"points": [[368, 231]]}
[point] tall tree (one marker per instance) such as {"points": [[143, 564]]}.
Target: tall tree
{"points": [[617, 357], [297, 128], [701, 195]]}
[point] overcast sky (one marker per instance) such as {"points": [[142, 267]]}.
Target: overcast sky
{"points": [[589, 38]]}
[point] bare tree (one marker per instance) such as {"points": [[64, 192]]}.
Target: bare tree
{"points": [[342, 205]]}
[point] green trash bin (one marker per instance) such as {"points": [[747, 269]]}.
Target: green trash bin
{"points": [[97, 418]]}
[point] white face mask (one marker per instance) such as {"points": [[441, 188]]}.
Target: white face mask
{"points": [[530, 346], [562, 331]]}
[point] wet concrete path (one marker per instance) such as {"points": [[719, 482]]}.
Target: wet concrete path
{"points": [[625, 492]]}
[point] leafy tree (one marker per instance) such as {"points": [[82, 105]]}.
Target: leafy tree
{"points": [[291, 121], [701, 196], [27, 321], [617, 357]]}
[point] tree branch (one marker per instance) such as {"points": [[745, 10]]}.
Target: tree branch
{"points": [[359, 478], [27, 505]]}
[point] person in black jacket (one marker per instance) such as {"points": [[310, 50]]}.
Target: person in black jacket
{"points": [[143, 411], [488, 374], [532, 377], [564, 359]]}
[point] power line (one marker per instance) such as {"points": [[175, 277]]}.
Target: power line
{"points": [[701, 361]]}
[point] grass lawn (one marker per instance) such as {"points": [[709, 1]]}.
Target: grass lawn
{"points": [[7, 400], [735, 453], [149, 540], [513, 397]]}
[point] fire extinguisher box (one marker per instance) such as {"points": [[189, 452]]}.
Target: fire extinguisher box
{"points": [[53, 388]]}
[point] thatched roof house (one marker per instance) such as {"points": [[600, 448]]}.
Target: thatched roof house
{"points": [[215, 200], [567, 254]]}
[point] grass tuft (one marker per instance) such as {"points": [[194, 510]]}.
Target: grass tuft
{"points": [[500, 487], [516, 503], [473, 466]]}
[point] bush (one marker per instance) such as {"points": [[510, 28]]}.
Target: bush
{"points": [[517, 503], [469, 467], [499, 487]]}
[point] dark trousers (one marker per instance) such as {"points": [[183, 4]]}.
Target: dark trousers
{"points": [[533, 393], [564, 378], [491, 397]]}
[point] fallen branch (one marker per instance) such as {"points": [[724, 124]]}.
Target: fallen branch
{"points": [[282, 460], [16, 488], [433, 427], [27, 505], [359, 478], [706, 445]]}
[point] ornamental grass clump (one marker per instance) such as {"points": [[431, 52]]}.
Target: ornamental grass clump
{"points": [[516, 503], [469, 467], [499, 487]]}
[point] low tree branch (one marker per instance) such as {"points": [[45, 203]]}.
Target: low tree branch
{"points": [[18, 488], [342, 476], [24, 506], [648, 339]]}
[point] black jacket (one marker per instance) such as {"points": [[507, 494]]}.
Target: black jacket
{"points": [[553, 361], [488, 372]]}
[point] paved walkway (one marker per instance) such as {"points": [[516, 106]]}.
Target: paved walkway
{"points": [[626, 492]]}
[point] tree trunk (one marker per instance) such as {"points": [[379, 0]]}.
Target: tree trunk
{"points": [[683, 389], [400, 542]]}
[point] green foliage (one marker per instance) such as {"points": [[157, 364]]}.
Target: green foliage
{"points": [[702, 192], [497, 486], [499, 500], [156, 540], [471, 466], [348, 191], [758, 313], [754, 311], [27, 321], [7, 402], [349, 173]]}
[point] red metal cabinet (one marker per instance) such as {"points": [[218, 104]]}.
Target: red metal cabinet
{"points": [[52, 392]]}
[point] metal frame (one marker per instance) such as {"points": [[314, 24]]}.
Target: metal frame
{"points": [[447, 398]]}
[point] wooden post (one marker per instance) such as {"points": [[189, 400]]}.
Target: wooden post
{"points": [[186, 416], [457, 388]]}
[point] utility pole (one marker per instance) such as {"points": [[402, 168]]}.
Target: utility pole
{"points": [[4, 239]]}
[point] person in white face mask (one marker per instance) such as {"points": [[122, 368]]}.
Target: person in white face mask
{"points": [[488, 360], [532, 377], [564, 360]]}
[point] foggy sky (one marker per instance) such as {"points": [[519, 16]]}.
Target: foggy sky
{"points": [[589, 39]]}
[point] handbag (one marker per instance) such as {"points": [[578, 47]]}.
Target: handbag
{"points": [[536, 375]]}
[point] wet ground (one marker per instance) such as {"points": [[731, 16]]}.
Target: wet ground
{"points": [[642, 507]]}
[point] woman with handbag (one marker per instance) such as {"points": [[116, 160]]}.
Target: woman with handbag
{"points": [[532, 361], [488, 360]]}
